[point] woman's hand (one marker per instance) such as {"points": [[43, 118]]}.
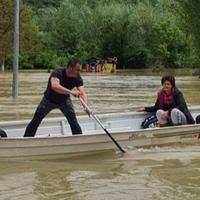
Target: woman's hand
{"points": [[142, 109]]}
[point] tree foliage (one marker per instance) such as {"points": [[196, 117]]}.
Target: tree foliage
{"points": [[43, 3], [140, 33], [28, 30], [189, 12], [6, 25]]}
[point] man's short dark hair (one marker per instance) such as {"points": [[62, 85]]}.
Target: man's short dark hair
{"points": [[73, 62], [169, 78]]}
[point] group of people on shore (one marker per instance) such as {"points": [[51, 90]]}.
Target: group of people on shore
{"points": [[98, 65], [170, 107]]}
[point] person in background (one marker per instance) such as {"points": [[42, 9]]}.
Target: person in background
{"points": [[61, 84], [170, 107]]}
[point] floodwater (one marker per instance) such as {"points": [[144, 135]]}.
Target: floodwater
{"points": [[107, 93], [159, 173]]}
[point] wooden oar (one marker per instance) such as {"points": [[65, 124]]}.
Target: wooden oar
{"points": [[99, 122]]}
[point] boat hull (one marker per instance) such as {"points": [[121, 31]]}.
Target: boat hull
{"points": [[54, 139], [69, 146]]}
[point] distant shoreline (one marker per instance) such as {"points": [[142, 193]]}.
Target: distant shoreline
{"points": [[136, 71]]}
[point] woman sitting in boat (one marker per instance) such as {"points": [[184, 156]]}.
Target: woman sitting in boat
{"points": [[170, 107]]}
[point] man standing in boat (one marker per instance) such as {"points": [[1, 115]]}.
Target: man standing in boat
{"points": [[61, 84]]}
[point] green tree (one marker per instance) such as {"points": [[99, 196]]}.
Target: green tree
{"points": [[139, 32], [138, 50], [6, 25], [29, 38], [170, 45], [110, 30], [43, 3], [68, 30], [28, 30], [189, 12]]}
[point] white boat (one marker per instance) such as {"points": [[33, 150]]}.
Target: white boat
{"points": [[54, 139]]}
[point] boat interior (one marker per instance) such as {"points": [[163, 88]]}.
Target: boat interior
{"points": [[114, 122]]}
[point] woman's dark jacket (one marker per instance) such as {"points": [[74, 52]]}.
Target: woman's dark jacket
{"points": [[179, 104]]}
